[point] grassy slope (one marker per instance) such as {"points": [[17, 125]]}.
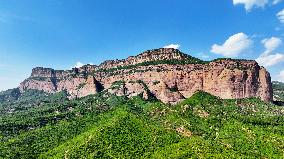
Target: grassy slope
{"points": [[202, 126], [121, 135]]}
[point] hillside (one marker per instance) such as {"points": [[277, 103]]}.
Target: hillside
{"points": [[278, 91], [168, 74], [161, 103], [41, 125]]}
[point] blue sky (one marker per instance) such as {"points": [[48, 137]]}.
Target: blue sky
{"points": [[61, 33]]}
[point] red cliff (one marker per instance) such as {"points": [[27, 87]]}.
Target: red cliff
{"points": [[168, 74]]}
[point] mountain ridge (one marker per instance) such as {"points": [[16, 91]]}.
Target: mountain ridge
{"points": [[168, 74]]}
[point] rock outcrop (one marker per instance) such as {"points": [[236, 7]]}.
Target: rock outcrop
{"points": [[167, 74]]}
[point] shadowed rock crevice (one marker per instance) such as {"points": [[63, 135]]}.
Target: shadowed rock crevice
{"points": [[99, 86]]}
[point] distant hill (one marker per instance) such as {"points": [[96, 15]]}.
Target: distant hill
{"points": [[278, 91]]}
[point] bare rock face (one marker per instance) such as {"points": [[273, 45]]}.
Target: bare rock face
{"points": [[129, 89], [168, 74], [167, 95], [76, 85]]}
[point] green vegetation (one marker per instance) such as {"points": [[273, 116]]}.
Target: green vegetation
{"points": [[230, 59], [39, 78], [189, 60], [156, 82], [173, 89], [278, 90], [117, 84], [10, 95], [81, 85], [51, 126], [151, 96]]}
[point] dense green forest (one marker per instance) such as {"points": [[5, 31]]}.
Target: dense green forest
{"points": [[40, 125]]}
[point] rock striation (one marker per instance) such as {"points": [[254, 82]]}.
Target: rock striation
{"points": [[167, 74]]}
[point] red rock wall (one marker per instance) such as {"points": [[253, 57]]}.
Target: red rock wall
{"points": [[228, 79]]}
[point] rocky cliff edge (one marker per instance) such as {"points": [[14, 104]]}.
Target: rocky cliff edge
{"points": [[167, 74]]}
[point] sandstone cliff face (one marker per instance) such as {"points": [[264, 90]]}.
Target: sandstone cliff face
{"points": [[159, 72]]}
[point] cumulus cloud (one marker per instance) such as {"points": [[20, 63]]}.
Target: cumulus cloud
{"points": [[280, 76], [267, 58], [78, 65], [233, 46], [174, 46], [270, 60], [271, 44], [280, 16], [249, 4]]}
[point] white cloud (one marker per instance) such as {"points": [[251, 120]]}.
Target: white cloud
{"points": [[78, 65], [233, 46], [271, 44], [174, 46], [270, 60], [280, 16], [280, 76], [276, 2], [249, 4], [267, 58]]}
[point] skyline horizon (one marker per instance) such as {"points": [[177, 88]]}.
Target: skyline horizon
{"points": [[60, 34], [79, 64]]}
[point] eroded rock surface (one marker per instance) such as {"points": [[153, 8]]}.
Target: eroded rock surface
{"points": [[168, 74]]}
